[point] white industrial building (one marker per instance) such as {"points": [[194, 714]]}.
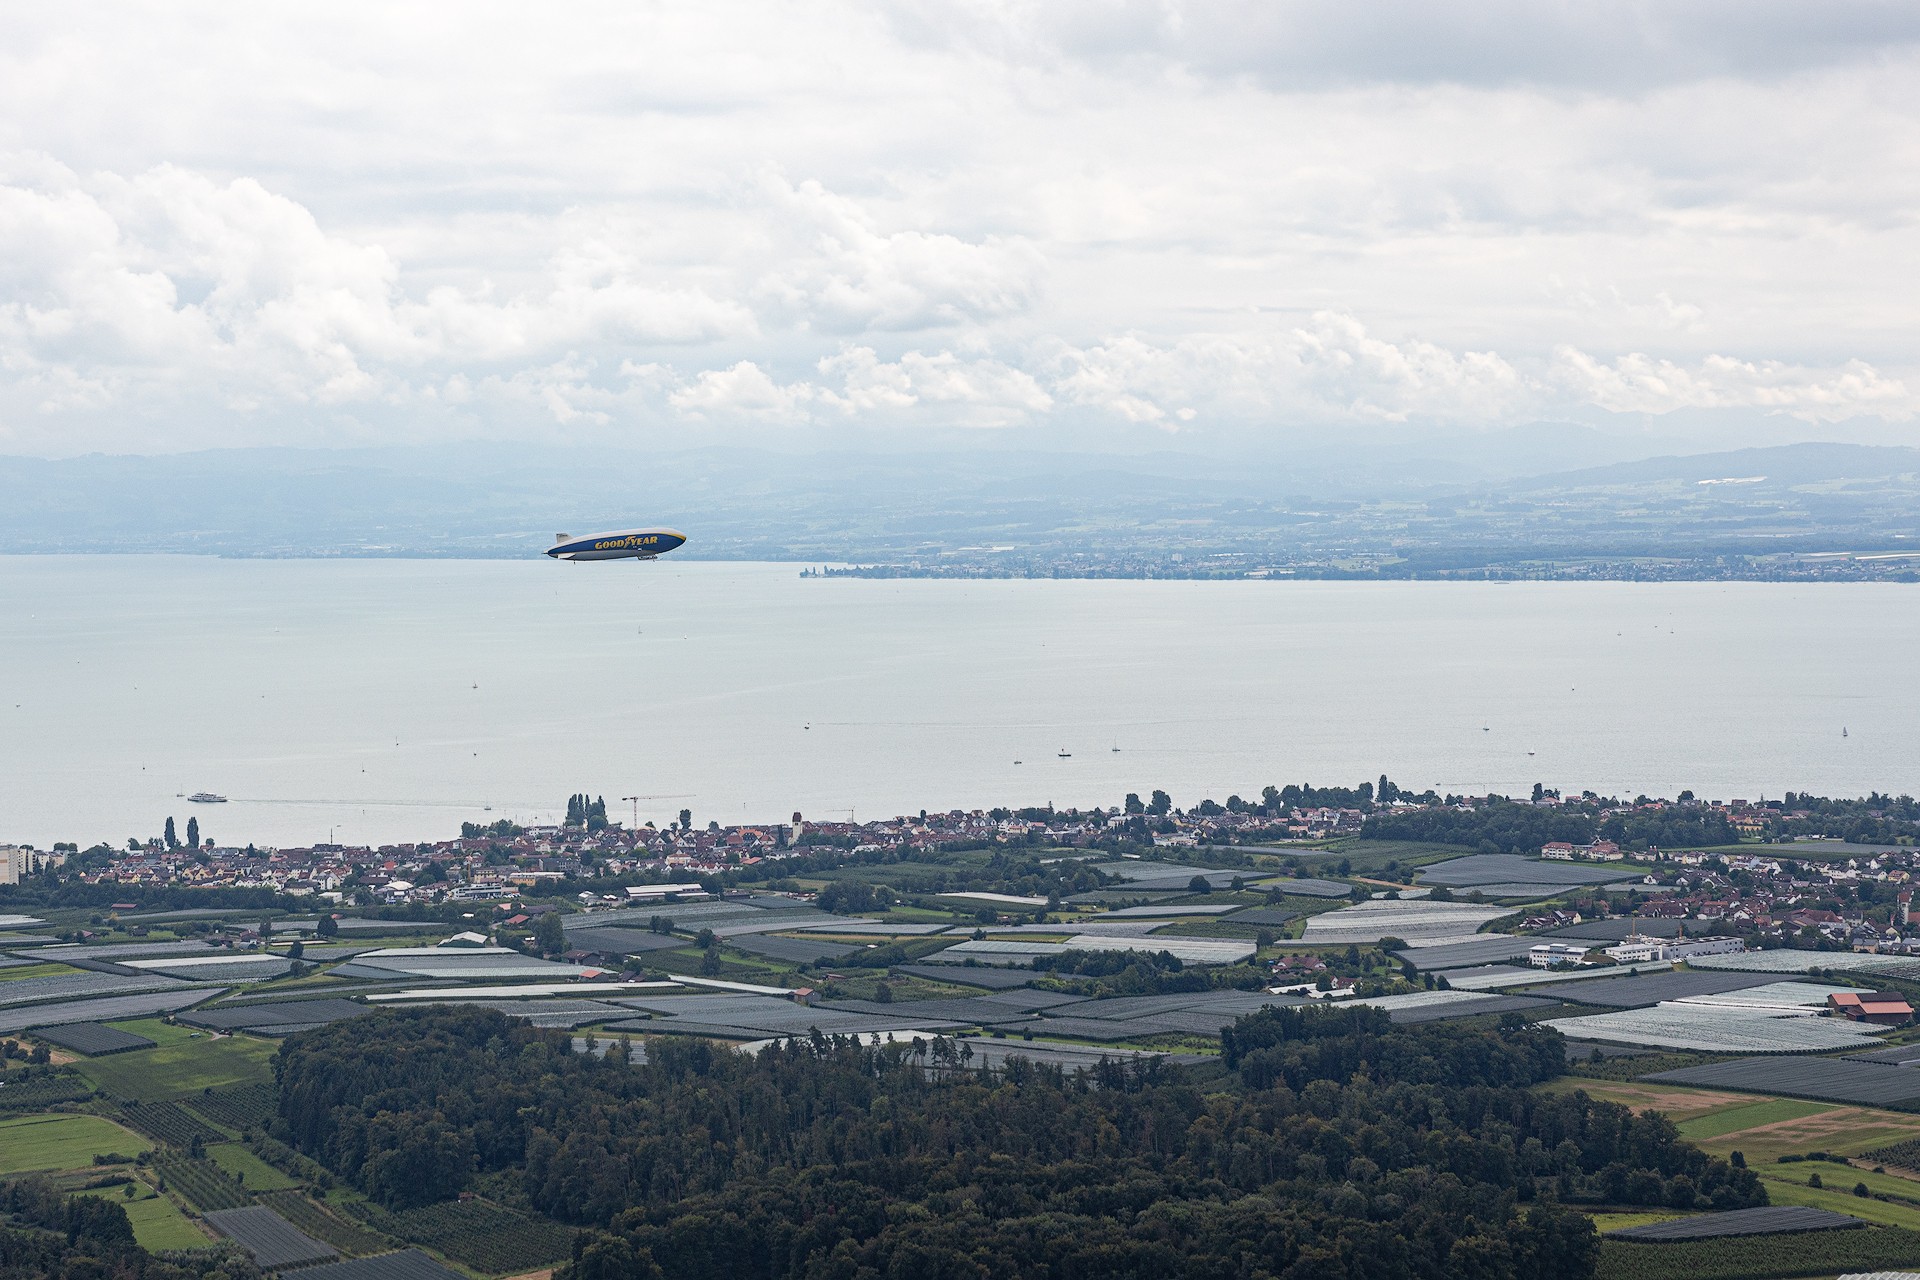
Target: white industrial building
{"points": [[1636, 948], [1545, 955]]}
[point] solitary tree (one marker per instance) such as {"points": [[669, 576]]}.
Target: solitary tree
{"points": [[549, 933], [686, 819], [193, 833], [172, 841], [327, 927], [1161, 804]]}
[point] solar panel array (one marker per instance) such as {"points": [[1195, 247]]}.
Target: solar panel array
{"points": [[1474, 1006], [1308, 887], [62, 985], [1263, 916], [133, 950], [750, 1017], [1787, 961], [1166, 875], [1477, 870], [106, 1009], [93, 1039], [1186, 950], [271, 1239], [872, 928], [1769, 1220], [1649, 989], [967, 975], [1166, 912], [1491, 976], [793, 950], [619, 941], [1899, 1055], [1706, 1029], [1489, 949], [462, 964], [1849, 1079], [249, 970], [1415, 920], [266, 1017], [1098, 897], [724, 918]]}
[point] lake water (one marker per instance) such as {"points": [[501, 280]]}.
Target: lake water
{"points": [[381, 701]]}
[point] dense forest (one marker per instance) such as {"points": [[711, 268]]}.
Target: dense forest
{"points": [[1503, 826], [1328, 1143]]}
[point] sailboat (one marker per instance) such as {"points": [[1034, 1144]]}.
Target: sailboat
{"points": [[1064, 754], [1116, 746]]}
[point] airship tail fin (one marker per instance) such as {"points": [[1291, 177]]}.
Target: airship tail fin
{"points": [[559, 538]]}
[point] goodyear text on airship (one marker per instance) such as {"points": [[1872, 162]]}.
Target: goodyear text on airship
{"points": [[621, 544]]}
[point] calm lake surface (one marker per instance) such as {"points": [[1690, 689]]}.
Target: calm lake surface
{"points": [[391, 700]]}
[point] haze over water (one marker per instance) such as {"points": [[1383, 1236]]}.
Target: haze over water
{"points": [[381, 701]]}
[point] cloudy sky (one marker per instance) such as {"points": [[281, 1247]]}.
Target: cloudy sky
{"points": [[1067, 220]]}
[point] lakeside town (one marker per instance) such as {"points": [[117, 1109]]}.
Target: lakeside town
{"points": [[1776, 872]]}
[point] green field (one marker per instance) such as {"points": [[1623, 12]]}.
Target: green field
{"points": [[1734, 1119], [161, 1032], [1787, 1184], [157, 1223], [182, 1067], [35, 971], [253, 1172], [39, 1143]]}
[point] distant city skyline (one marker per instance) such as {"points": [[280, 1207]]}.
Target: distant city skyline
{"points": [[1075, 225]]}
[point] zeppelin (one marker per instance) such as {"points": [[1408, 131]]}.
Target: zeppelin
{"points": [[623, 544]]}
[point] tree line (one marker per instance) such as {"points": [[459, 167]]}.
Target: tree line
{"points": [[1339, 1145]]}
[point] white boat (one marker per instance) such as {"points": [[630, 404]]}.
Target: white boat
{"points": [[205, 797]]}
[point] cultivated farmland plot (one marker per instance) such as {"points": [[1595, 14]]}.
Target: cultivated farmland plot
{"points": [[968, 975], [271, 1239], [1765, 1221], [1706, 1029], [1480, 870], [1822, 1079], [1418, 921], [1786, 961], [113, 1008], [264, 1017], [795, 950], [1649, 989], [1308, 887], [1485, 949], [64, 986], [407, 1264], [91, 1039]]}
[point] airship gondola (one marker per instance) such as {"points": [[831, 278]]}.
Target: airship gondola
{"points": [[620, 544]]}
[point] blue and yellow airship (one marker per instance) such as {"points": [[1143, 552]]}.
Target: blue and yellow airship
{"points": [[621, 544]]}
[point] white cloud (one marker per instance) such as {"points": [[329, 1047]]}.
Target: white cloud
{"points": [[1638, 383], [851, 277], [301, 223], [745, 391]]}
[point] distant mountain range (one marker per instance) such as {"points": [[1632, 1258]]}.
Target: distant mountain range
{"points": [[1387, 496]]}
